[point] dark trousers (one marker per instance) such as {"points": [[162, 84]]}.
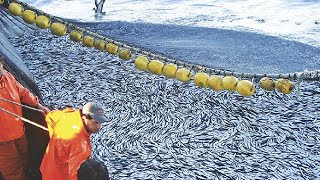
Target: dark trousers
{"points": [[13, 159]]}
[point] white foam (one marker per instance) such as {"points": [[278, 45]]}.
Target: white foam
{"points": [[295, 20]]}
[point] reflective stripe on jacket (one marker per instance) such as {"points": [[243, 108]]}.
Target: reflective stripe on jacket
{"points": [[69, 145], [12, 127]]}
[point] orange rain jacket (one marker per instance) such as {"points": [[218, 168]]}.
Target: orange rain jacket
{"points": [[69, 145], [12, 127]]}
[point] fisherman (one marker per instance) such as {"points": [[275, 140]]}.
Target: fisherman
{"points": [[13, 142], [99, 7], [69, 144]]}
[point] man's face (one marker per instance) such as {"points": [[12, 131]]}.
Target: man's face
{"points": [[91, 125]]}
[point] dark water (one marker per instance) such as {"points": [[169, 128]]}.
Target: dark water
{"points": [[216, 48], [163, 129]]}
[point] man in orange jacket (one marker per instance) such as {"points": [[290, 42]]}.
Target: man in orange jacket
{"points": [[13, 142], [69, 144]]}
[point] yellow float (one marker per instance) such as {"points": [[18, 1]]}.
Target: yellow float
{"points": [[267, 83], [43, 22], [141, 63], [155, 67], [76, 36], [183, 74], [15, 9], [245, 88], [100, 44], [29, 16], [58, 29], [215, 82], [230, 83], [88, 41], [125, 54], [170, 70], [201, 79], [112, 48], [285, 86]]}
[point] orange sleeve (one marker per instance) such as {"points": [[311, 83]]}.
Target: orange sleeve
{"points": [[25, 95], [52, 118]]}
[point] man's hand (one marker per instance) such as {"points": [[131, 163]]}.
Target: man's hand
{"points": [[44, 110]]}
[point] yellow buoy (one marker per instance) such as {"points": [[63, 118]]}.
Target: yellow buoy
{"points": [[15, 9], [201, 79], [267, 83], [43, 22], [88, 41], [141, 63], [29, 16], [245, 88], [112, 48], [170, 70], [1, 1], [125, 54], [229, 83], [183, 74], [76, 36], [58, 29], [100, 44], [285, 86], [155, 67], [215, 82]]}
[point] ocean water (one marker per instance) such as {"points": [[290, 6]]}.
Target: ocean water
{"points": [[164, 129], [295, 19], [258, 37]]}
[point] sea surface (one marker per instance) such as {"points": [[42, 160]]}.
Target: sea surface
{"points": [[163, 129], [218, 34], [294, 19]]}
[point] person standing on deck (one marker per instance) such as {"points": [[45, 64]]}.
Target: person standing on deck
{"points": [[13, 142], [99, 7], [69, 144]]}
